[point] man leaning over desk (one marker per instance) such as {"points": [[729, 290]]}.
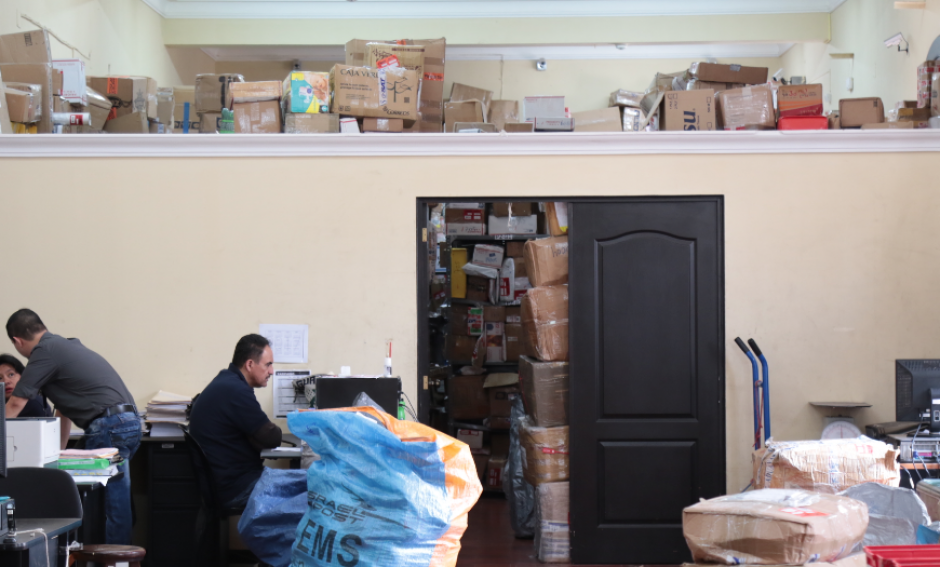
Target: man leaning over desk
{"points": [[87, 390], [228, 423]]}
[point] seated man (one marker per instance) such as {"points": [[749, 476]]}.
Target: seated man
{"points": [[229, 424], [11, 370]]}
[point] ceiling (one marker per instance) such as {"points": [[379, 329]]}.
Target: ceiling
{"points": [[355, 9]]}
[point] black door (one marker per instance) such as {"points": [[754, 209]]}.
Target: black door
{"points": [[647, 373]]}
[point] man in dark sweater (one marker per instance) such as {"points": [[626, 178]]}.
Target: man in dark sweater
{"points": [[228, 423], [87, 390]]}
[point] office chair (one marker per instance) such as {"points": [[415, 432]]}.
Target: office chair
{"points": [[212, 512]]}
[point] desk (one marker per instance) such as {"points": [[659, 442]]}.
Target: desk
{"points": [[94, 518], [28, 550]]}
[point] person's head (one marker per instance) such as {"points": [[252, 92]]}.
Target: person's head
{"points": [[10, 371], [25, 328], [255, 359]]}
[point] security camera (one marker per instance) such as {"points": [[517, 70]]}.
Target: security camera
{"points": [[541, 65], [898, 39]]}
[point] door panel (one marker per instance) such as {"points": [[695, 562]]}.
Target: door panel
{"points": [[647, 373]]}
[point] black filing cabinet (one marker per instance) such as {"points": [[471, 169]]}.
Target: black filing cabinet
{"points": [[174, 504]]}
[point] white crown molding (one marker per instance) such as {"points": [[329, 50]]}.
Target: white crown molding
{"points": [[430, 145], [423, 9], [518, 52]]}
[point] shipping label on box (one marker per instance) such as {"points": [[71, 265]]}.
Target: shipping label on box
{"points": [[513, 225], [360, 91], [391, 55], [488, 256], [73, 80], [689, 110], [307, 92]]}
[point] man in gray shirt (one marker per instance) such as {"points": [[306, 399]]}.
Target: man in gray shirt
{"points": [[87, 390]]}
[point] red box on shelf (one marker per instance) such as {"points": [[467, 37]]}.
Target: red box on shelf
{"points": [[803, 123]]}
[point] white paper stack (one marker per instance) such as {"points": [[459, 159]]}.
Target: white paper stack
{"points": [[164, 412]]}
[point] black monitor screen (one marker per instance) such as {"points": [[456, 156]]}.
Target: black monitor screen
{"points": [[340, 392], [913, 381]]}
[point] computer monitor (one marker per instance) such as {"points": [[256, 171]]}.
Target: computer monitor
{"points": [[335, 392], [917, 392]]}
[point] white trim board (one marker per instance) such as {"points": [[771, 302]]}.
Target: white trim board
{"points": [[467, 145], [370, 9], [740, 50]]}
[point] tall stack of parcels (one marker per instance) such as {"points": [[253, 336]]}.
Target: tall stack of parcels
{"points": [[211, 94]]}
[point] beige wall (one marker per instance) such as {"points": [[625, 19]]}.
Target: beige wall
{"points": [[120, 37], [161, 264], [860, 27]]}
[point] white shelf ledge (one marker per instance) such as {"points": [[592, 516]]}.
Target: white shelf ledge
{"points": [[555, 144]]}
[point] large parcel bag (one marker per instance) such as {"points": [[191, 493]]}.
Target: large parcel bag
{"points": [[774, 527], [277, 503], [384, 492]]}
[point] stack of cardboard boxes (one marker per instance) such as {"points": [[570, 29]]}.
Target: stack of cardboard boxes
{"points": [[211, 96], [306, 104], [801, 107], [473, 110], [256, 107]]}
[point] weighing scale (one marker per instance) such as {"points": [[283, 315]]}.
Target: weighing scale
{"points": [[840, 426]]}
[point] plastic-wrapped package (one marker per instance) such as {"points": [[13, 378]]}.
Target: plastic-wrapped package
{"points": [[632, 119], [894, 514], [546, 453], [774, 527], [269, 521], [480, 271], [928, 490], [384, 492], [545, 391], [828, 466], [623, 97], [545, 322], [748, 108], [519, 493], [546, 261], [256, 91], [552, 534]]}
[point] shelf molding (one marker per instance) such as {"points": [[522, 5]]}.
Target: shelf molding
{"points": [[466, 145]]}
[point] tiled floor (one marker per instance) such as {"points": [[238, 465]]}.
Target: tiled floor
{"points": [[489, 540]]}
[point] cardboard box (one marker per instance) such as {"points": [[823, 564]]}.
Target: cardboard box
{"points": [[499, 442], [466, 228], [545, 453], [127, 94], [311, 123], [547, 124], [474, 128], [390, 55], [544, 391], [212, 90], [209, 122], [466, 396], [348, 125], [480, 460], [257, 117], [181, 97], [387, 125], [825, 466], [431, 104], [918, 116], [495, 347], [519, 127], [73, 80], [500, 404], [545, 323], [514, 341], [603, 120], [458, 321], [23, 106], [462, 111], [747, 109], [787, 527], [697, 85], [513, 314], [552, 534], [364, 92], [25, 47], [513, 225], [800, 100], [257, 91], [458, 279], [478, 288], [453, 215], [472, 437], [499, 112], [460, 92], [854, 112], [494, 313], [803, 123], [542, 106], [624, 98], [520, 269], [546, 261], [488, 255], [835, 123], [508, 209], [889, 126], [719, 73], [306, 92], [689, 110], [662, 82], [134, 123], [631, 119], [40, 74], [557, 216], [494, 474], [514, 248]]}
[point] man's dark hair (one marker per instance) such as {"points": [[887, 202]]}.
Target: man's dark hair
{"points": [[13, 362], [24, 324], [248, 348]]}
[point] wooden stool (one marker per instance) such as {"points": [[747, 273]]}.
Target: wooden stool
{"points": [[110, 555]]}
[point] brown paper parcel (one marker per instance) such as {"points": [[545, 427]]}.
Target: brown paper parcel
{"points": [[545, 453], [545, 323], [774, 527], [828, 466]]}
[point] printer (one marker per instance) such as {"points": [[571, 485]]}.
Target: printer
{"points": [[33, 441]]}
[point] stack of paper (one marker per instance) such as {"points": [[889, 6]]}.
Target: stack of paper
{"points": [[164, 412]]}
